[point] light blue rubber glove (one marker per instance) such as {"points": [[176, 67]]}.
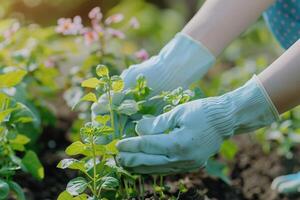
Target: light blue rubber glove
{"points": [[184, 138], [289, 184], [181, 62]]}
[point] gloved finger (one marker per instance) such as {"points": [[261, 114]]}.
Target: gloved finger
{"points": [[289, 187], [141, 159], [281, 179], [156, 125], [149, 144]]}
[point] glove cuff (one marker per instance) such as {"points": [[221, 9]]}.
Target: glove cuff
{"points": [[243, 110], [253, 107]]}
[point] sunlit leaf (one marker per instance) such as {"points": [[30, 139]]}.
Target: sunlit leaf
{"points": [[90, 83], [65, 196], [12, 78], [89, 97], [102, 119], [102, 70], [20, 139], [76, 148]]}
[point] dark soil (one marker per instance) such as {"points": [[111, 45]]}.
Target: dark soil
{"points": [[252, 174]]}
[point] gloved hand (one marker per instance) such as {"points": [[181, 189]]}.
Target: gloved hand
{"points": [[184, 138], [288, 184], [181, 62]]}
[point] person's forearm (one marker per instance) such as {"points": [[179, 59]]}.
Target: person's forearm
{"points": [[219, 22], [282, 79]]}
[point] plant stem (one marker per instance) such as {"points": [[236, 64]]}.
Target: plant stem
{"points": [[154, 186], [141, 184], [161, 181], [126, 188], [94, 167], [112, 121]]}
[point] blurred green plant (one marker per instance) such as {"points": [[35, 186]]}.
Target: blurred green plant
{"points": [[12, 140]]}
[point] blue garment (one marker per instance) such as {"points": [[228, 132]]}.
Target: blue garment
{"points": [[283, 19]]}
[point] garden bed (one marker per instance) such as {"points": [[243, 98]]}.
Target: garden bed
{"points": [[252, 173]]}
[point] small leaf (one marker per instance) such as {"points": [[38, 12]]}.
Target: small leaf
{"points": [[128, 107], [20, 139], [71, 163], [12, 78], [33, 165], [65, 196], [117, 84], [5, 113], [111, 148], [15, 187], [75, 148], [102, 119], [102, 70], [228, 149], [90, 83], [77, 186], [4, 189], [89, 97], [109, 183]]}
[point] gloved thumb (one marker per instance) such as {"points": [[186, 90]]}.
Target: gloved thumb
{"points": [[156, 125]]}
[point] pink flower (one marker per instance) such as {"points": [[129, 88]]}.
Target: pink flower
{"points": [[67, 26], [90, 37], [114, 19], [49, 63], [95, 14], [134, 23], [96, 26], [115, 33], [142, 54]]}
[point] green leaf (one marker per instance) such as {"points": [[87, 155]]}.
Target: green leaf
{"points": [[76, 148], [4, 114], [77, 186], [71, 163], [229, 149], [20, 139], [4, 189], [102, 70], [11, 79], [128, 107], [109, 183], [65, 196], [15, 187], [90, 83], [111, 148], [117, 84], [33, 165], [102, 119], [89, 97], [81, 197], [217, 169]]}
